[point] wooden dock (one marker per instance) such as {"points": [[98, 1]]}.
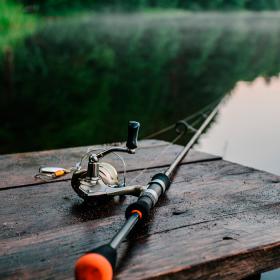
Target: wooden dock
{"points": [[218, 220]]}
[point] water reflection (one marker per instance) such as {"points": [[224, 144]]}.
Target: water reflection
{"points": [[247, 128], [78, 81]]}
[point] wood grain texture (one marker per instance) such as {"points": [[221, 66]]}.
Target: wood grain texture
{"points": [[220, 249], [218, 220], [19, 169], [195, 187]]}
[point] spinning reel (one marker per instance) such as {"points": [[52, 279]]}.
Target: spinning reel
{"points": [[100, 179]]}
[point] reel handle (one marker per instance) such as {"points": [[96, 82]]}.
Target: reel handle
{"points": [[132, 135], [98, 264]]}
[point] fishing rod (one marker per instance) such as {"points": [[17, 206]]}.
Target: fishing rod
{"points": [[100, 262]]}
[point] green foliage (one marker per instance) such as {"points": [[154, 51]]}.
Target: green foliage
{"points": [[57, 6], [14, 23], [75, 76]]}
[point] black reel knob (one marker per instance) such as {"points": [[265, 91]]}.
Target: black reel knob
{"points": [[133, 129]]}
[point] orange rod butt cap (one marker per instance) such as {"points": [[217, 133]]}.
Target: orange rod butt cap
{"points": [[93, 266]]}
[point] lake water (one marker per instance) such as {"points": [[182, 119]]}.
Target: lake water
{"points": [[247, 127], [246, 130], [78, 81]]}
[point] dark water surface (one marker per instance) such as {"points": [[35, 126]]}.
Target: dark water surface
{"points": [[78, 81]]}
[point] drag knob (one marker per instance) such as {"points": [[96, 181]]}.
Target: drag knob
{"points": [[133, 128]]}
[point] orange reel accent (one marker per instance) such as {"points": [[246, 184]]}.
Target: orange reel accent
{"points": [[93, 266]]}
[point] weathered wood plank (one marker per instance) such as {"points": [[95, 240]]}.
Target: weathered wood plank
{"points": [[219, 220], [225, 249], [207, 203], [200, 191], [229, 248], [19, 169]]}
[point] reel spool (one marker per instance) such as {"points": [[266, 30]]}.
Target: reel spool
{"points": [[100, 179], [87, 187]]}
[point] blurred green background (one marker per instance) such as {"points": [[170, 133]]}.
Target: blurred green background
{"points": [[74, 72]]}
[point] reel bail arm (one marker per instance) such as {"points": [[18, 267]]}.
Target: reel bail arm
{"points": [[101, 178]]}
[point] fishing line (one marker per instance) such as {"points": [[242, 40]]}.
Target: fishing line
{"points": [[191, 127], [155, 160], [124, 167], [186, 119]]}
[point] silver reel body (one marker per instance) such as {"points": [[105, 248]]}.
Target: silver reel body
{"points": [[86, 186], [100, 180]]}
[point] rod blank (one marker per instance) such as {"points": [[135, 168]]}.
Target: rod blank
{"points": [[190, 144]]}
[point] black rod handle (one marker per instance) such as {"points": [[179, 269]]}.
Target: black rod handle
{"points": [[132, 135], [148, 199]]}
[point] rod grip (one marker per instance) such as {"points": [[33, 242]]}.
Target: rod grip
{"points": [[158, 185], [132, 135], [98, 264]]}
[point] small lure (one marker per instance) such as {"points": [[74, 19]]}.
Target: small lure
{"points": [[51, 172]]}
